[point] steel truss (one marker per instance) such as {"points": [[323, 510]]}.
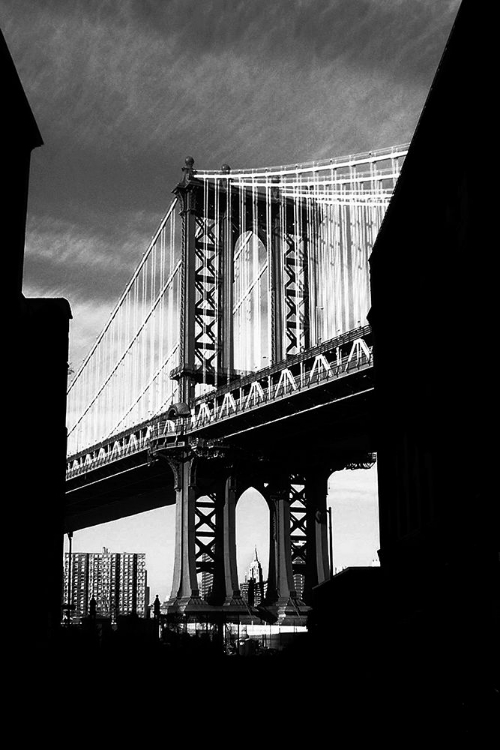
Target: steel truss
{"points": [[206, 534], [206, 335], [298, 526]]}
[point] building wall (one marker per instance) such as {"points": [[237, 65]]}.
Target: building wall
{"points": [[433, 310], [36, 354]]}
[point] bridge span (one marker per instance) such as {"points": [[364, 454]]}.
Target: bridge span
{"points": [[238, 355]]}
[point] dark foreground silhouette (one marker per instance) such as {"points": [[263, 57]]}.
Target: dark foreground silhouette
{"points": [[354, 683]]}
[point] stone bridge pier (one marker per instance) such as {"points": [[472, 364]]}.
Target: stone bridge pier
{"points": [[208, 483]]}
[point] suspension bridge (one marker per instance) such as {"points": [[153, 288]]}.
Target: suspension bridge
{"points": [[238, 355]]}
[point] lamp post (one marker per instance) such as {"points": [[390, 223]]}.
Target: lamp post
{"points": [[330, 540]]}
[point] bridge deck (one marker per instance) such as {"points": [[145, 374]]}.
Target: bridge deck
{"points": [[312, 408]]}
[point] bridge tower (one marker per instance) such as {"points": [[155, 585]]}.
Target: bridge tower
{"points": [[210, 475]]}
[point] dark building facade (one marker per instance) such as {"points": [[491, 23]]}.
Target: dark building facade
{"points": [[433, 302], [37, 366], [422, 628]]}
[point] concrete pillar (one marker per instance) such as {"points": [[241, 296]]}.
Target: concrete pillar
{"points": [[225, 574], [272, 583], [317, 564], [185, 593], [232, 587], [284, 573], [281, 600]]}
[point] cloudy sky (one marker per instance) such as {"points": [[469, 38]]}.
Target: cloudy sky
{"points": [[124, 90]]}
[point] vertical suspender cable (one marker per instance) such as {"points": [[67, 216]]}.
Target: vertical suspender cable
{"points": [[152, 332], [143, 340], [255, 281], [215, 291], [270, 270]]}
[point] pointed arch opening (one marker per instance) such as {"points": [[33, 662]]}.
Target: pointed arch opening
{"points": [[252, 544], [251, 308]]}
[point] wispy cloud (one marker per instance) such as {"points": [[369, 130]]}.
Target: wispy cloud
{"points": [[151, 75], [123, 91], [88, 267], [72, 259]]}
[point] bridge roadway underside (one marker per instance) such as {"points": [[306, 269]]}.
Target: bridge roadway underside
{"points": [[325, 429]]}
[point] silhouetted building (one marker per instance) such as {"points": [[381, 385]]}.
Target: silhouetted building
{"points": [[116, 581], [36, 354], [434, 303], [423, 626]]}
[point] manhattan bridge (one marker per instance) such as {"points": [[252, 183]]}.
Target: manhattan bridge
{"points": [[239, 355]]}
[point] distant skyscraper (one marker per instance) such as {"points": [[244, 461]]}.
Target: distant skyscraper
{"points": [[207, 578], [117, 582], [299, 580], [253, 587], [298, 565]]}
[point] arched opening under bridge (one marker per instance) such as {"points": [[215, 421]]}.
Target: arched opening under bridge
{"points": [[252, 533]]}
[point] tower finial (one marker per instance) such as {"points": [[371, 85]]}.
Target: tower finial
{"points": [[188, 170]]}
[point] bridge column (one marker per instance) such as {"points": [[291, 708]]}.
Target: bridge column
{"points": [[185, 594], [221, 540], [281, 598], [186, 192], [317, 563], [233, 601], [276, 283], [205, 537]]}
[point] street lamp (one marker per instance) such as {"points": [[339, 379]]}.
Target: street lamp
{"points": [[330, 539]]}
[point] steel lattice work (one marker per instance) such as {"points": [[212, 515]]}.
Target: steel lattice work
{"points": [[205, 531], [247, 269], [298, 525]]}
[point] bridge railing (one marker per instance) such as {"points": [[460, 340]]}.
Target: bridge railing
{"points": [[281, 385], [329, 361], [377, 156], [124, 445]]}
